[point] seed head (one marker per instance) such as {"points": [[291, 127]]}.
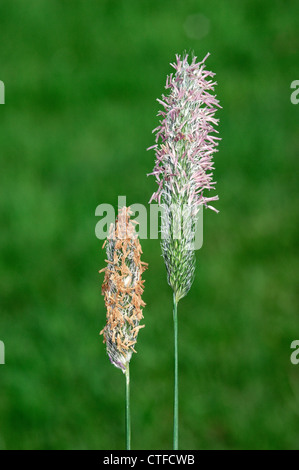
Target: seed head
{"points": [[122, 289], [185, 144]]}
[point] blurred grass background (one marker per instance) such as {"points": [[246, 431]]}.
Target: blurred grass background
{"points": [[81, 82]]}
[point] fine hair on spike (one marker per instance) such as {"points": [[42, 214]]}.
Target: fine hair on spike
{"points": [[186, 141], [122, 289]]}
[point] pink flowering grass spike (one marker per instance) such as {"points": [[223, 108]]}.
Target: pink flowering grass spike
{"points": [[186, 140]]}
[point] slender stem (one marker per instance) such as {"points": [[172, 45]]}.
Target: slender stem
{"points": [[128, 415], [176, 377]]}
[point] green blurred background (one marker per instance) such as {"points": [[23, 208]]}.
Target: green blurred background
{"points": [[81, 82]]}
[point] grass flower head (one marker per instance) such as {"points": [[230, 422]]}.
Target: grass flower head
{"points": [[185, 145], [122, 289]]}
